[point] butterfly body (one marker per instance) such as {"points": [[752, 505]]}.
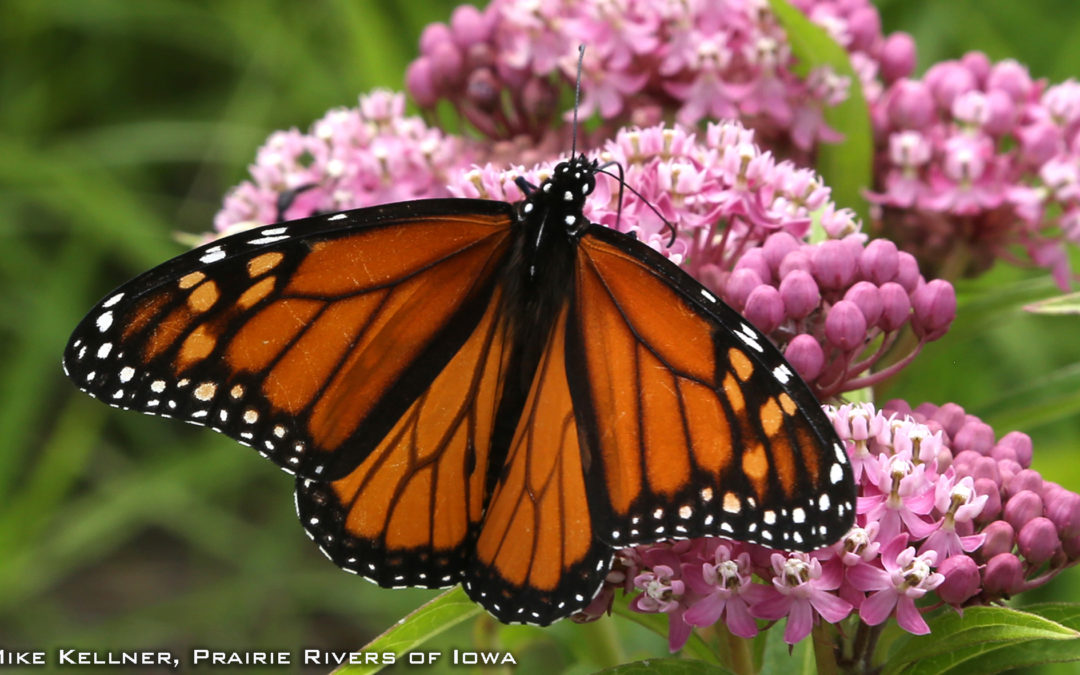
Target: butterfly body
{"points": [[480, 393]]}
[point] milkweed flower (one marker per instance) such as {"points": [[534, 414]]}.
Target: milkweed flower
{"points": [[923, 535]]}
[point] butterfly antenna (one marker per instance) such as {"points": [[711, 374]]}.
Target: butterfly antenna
{"points": [[623, 184], [577, 99]]}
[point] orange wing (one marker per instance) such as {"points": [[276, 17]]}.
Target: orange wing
{"points": [[306, 340], [407, 516], [693, 424], [536, 557]]}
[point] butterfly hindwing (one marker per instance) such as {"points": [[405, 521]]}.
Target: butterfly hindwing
{"points": [[537, 559], [306, 340], [694, 423], [407, 515]]}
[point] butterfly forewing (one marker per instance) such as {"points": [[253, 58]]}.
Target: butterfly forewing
{"points": [[306, 340], [693, 422]]}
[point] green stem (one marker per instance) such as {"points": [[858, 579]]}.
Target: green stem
{"points": [[825, 635], [742, 660]]}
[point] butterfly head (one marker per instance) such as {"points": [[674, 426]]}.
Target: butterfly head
{"points": [[563, 194]]}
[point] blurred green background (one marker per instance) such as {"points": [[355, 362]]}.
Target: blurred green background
{"points": [[124, 122]]}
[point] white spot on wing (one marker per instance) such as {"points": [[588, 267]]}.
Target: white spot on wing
{"points": [[126, 373], [103, 350], [836, 473], [272, 231], [708, 296], [782, 373], [112, 301], [212, 256], [157, 386], [747, 335], [267, 240], [104, 321]]}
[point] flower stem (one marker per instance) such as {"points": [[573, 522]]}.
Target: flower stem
{"points": [[825, 653], [742, 661]]}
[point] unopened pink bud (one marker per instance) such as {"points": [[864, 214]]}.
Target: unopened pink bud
{"points": [[1011, 78], [1000, 538], [419, 82], [867, 298], [986, 467], [947, 80], [765, 308], [739, 285], [1021, 443], [754, 259], [1022, 507], [1064, 510], [834, 266], [992, 508], [804, 353], [1038, 540], [1040, 141], [961, 579], [1028, 479], [897, 57], [777, 246], [796, 260], [845, 326], [1003, 575], [879, 261], [433, 35], [978, 64], [800, 294], [470, 26], [974, 435], [910, 105], [907, 271], [895, 306], [935, 309]]}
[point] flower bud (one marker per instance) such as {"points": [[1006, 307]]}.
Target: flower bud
{"points": [[910, 105], [866, 297], [421, 85], [978, 64], [796, 260], [433, 35], [961, 579], [1002, 113], [470, 26], [1022, 507], [907, 271], [1011, 78], [897, 56], [879, 261], [754, 259], [845, 326], [1063, 508], [777, 246], [804, 353], [1021, 444], [895, 307], [800, 294], [952, 418], [964, 461], [1039, 142], [1038, 540], [947, 80], [992, 508], [765, 308], [1003, 575], [834, 266], [986, 467], [1028, 479], [1000, 538], [739, 286], [447, 63], [974, 435], [935, 309]]}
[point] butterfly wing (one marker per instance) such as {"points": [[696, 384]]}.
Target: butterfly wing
{"points": [[307, 340], [537, 559], [692, 422], [407, 515]]}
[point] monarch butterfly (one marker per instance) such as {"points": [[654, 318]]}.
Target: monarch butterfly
{"points": [[498, 395]]}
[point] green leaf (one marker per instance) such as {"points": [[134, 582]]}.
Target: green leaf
{"points": [[845, 166], [668, 666], [955, 641], [446, 610], [1062, 304], [658, 623]]}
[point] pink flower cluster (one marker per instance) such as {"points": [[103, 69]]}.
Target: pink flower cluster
{"points": [[939, 503], [743, 220], [352, 157], [701, 60], [975, 158]]}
